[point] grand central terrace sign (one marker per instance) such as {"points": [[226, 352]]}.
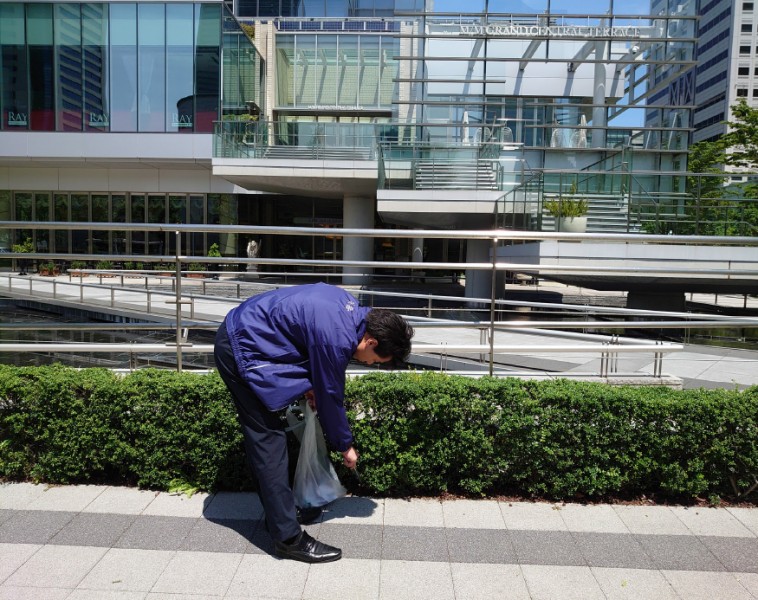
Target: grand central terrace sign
{"points": [[532, 31]]}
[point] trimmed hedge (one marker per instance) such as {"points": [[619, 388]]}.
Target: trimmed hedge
{"points": [[418, 434]]}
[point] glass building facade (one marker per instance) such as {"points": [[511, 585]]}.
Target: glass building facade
{"points": [[120, 67]]}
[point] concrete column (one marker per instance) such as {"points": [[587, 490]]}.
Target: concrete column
{"points": [[357, 213], [478, 283], [599, 115]]}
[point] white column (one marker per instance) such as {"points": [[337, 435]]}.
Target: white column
{"points": [[478, 283], [357, 213], [417, 255], [599, 115]]}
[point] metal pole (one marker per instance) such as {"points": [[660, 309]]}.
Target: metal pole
{"points": [[178, 288], [492, 306]]}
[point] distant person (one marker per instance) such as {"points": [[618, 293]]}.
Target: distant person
{"points": [[278, 346]]}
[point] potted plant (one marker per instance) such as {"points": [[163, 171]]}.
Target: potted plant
{"points": [[196, 270], [24, 247], [214, 252], [48, 269], [569, 211], [75, 268], [104, 265]]}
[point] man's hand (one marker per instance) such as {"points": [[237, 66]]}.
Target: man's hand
{"points": [[310, 397], [350, 458]]}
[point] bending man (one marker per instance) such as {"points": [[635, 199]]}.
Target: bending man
{"points": [[278, 346]]}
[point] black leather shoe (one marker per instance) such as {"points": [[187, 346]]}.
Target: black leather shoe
{"points": [[306, 549], [306, 516]]}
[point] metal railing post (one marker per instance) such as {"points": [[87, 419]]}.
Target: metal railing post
{"points": [[493, 287]]}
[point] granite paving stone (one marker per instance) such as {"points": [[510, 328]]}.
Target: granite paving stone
{"points": [[208, 573], [177, 505], [227, 535], [56, 566], [405, 544], [547, 548], [228, 505], [19, 495], [488, 582], [679, 552], [480, 546], [5, 514], [477, 514], [346, 578], [71, 498], [598, 518], [532, 516], [412, 580], [420, 512], [121, 500], [747, 516], [259, 576], [736, 554], [749, 581], [127, 570], [356, 541], [355, 509], [33, 527], [93, 529], [12, 556], [612, 550], [656, 520], [634, 584], [156, 533], [261, 542], [12, 592], [692, 585], [152, 596], [711, 521], [549, 582], [102, 595]]}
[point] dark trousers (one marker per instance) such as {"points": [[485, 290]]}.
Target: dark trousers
{"points": [[265, 445]]}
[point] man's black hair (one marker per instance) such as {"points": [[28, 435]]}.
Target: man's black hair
{"points": [[392, 332]]}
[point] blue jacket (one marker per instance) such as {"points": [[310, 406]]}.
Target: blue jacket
{"points": [[292, 340]]}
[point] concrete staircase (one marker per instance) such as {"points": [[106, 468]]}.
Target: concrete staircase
{"points": [[607, 214], [455, 175]]}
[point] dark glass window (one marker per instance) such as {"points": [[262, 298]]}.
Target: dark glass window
{"points": [[746, 27], [60, 213], [14, 83], [180, 100], [743, 71], [742, 92], [95, 61], [747, 6], [68, 53], [744, 49], [123, 67], [207, 65], [39, 25], [151, 38]]}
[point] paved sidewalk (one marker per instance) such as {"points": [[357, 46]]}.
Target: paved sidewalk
{"points": [[110, 543]]}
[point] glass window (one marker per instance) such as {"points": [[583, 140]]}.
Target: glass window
{"points": [[80, 213], [743, 71], [312, 8], [60, 213], [349, 71], [196, 245], [305, 73], [327, 74], [123, 67], [180, 109], [156, 213], [207, 66], [747, 6], [151, 39], [68, 53], [744, 49], [388, 71], [118, 215], [285, 70], [14, 98], [41, 72], [137, 207], [742, 92], [95, 60], [746, 28], [368, 85], [337, 8]]}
